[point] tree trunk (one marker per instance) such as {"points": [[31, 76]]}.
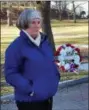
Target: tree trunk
{"points": [[60, 16], [68, 15], [44, 7], [9, 15], [58, 5], [74, 12]]}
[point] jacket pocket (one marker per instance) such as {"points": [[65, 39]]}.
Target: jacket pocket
{"points": [[31, 82]]}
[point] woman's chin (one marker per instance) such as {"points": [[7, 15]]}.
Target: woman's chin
{"points": [[36, 33]]}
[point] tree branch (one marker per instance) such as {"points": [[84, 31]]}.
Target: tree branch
{"points": [[80, 4]]}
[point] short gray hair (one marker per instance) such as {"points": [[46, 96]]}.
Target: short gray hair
{"points": [[25, 18]]}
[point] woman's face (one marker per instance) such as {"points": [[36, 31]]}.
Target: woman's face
{"points": [[34, 28]]}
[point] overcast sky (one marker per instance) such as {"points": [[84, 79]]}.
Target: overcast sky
{"points": [[84, 4]]}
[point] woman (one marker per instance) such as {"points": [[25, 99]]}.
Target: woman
{"points": [[29, 65]]}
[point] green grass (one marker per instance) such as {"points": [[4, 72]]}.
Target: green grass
{"points": [[81, 40], [6, 90], [64, 76], [70, 22], [73, 30], [70, 76]]}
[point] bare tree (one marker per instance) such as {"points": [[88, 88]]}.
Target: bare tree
{"points": [[82, 14], [63, 11], [61, 6], [9, 14], [74, 10]]}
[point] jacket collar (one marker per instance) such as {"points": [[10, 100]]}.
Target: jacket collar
{"points": [[36, 41], [24, 36]]}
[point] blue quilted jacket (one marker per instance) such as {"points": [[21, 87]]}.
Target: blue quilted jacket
{"points": [[29, 68]]}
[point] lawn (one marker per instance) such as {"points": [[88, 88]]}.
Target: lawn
{"points": [[72, 40]]}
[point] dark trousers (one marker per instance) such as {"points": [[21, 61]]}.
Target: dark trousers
{"points": [[41, 105]]}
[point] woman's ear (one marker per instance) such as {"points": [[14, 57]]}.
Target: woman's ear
{"points": [[26, 26]]}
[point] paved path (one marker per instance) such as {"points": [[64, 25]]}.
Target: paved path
{"points": [[71, 98]]}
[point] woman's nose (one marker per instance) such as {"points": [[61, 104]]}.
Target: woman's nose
{"points": [[37, 23]]}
